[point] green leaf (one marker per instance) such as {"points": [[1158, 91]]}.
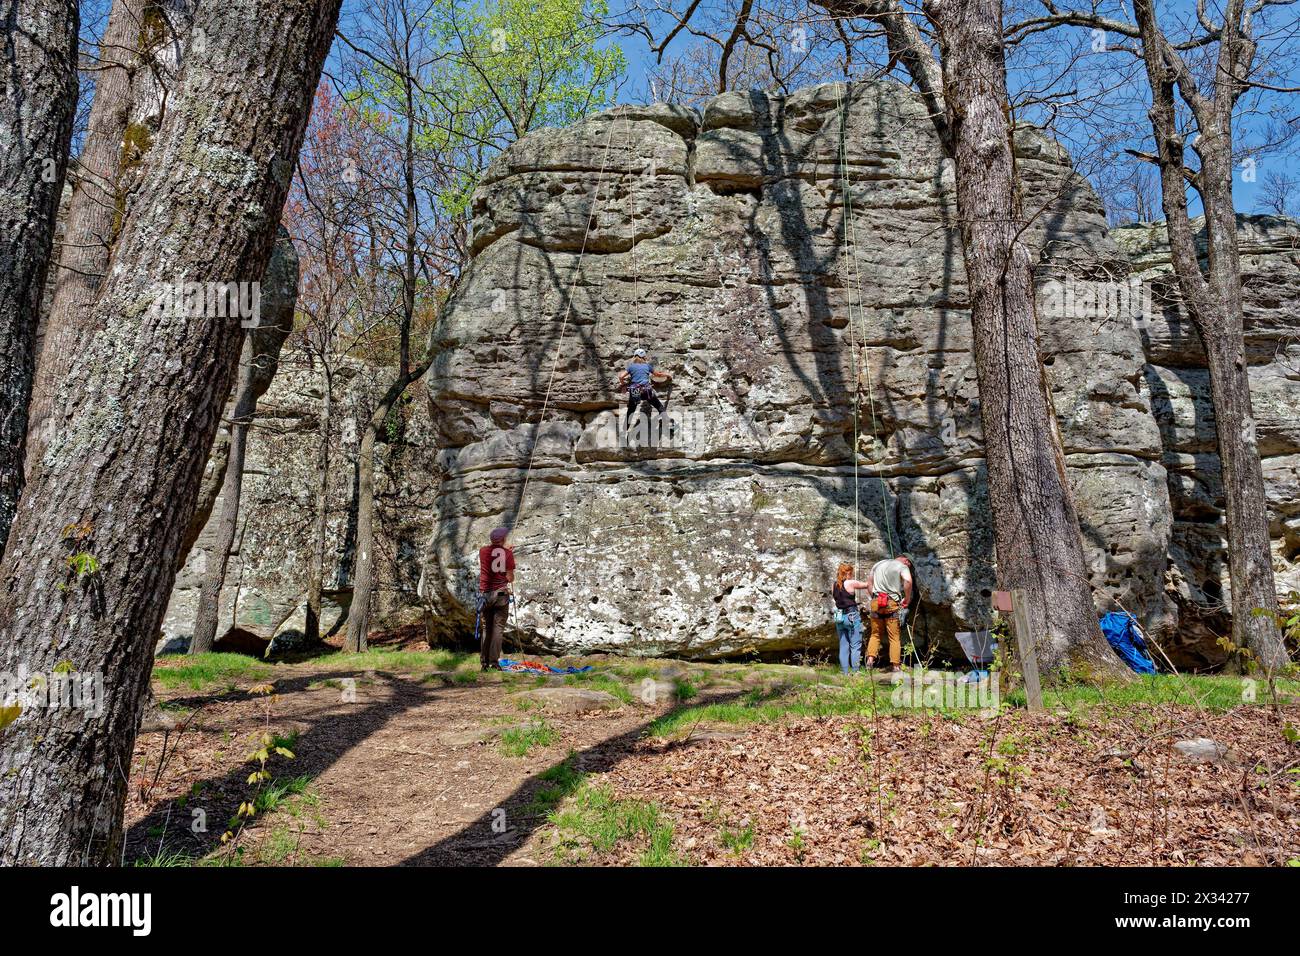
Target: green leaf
{"points": [[9, 714]]}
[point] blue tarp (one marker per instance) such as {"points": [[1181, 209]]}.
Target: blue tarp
{"points": [[506, 664], [1126, 637]]}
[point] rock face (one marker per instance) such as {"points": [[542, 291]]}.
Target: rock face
{"points": [[1179, 386], [264, 596], [723, 243]]}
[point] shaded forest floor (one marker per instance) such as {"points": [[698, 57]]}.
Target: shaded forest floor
{"points": [[413, 757]]}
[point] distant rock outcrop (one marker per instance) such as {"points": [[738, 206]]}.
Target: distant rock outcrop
{"points": [[1179, 386], [264, 595]]}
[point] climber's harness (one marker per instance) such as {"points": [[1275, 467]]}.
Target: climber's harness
{"points": [[478, 612], [879, 606]]}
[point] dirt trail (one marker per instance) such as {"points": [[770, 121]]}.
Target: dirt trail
{"points": [[409, 768]]}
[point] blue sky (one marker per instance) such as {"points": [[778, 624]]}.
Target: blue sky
{"points": [[1128, 107], [1077, 135]]}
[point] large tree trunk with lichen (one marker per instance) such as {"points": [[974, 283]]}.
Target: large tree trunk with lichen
{"points": [[1213, 301], [38, 97], [1036, 526], [93, 212], [124, 473]]}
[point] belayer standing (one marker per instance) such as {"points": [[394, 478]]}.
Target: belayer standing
{"points": [[640, 378], [890, 588], [848, 619], [496, 572]]}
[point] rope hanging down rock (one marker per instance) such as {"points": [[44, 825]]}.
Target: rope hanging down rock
{"points": [[860, 366]]}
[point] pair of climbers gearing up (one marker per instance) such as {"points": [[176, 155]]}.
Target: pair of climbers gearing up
{"points": [[888, 596]]}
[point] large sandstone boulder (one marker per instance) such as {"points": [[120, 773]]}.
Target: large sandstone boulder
{"points": [[719, 240], [1179, 385]]}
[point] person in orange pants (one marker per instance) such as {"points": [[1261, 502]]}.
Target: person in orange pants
{"points": [[890, 587]]}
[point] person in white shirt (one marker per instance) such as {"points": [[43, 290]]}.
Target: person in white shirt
{"points": [[890, 588]]}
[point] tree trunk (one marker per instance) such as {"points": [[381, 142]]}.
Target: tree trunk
{"points": [[316, 576], [38, 96], [275, 323], [1220, 325], [205, 621], [363, 577], [96, 206], [118, 485], [1036, 527], [1213, 301], [1250, 564]]}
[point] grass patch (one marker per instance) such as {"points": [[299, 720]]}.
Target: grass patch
{"points": [[165, 859], [595, 680], [274, 795], [280, 847], [863, 697], [736, 841], [634, 672], [760, 706], [557, 783], [517, 741], [270, 841], [207, 671], [438, 659], [1213, 692], [594, 822]]}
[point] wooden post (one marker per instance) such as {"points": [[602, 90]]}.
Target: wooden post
{"points": [[1025, 650]]}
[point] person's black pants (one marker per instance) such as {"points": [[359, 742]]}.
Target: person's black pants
{"points": [[496, 607], [651, 399]]}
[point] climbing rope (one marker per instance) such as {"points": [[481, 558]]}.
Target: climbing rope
{"points": [[636, 276], [853, 349], [564, 326], [860, 365]]}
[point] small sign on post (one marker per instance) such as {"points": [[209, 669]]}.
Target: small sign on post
{"points": [[1025, 649]]}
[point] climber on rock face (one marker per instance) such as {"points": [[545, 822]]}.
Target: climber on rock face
{"points": [[496, 572], [640, 378]]}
